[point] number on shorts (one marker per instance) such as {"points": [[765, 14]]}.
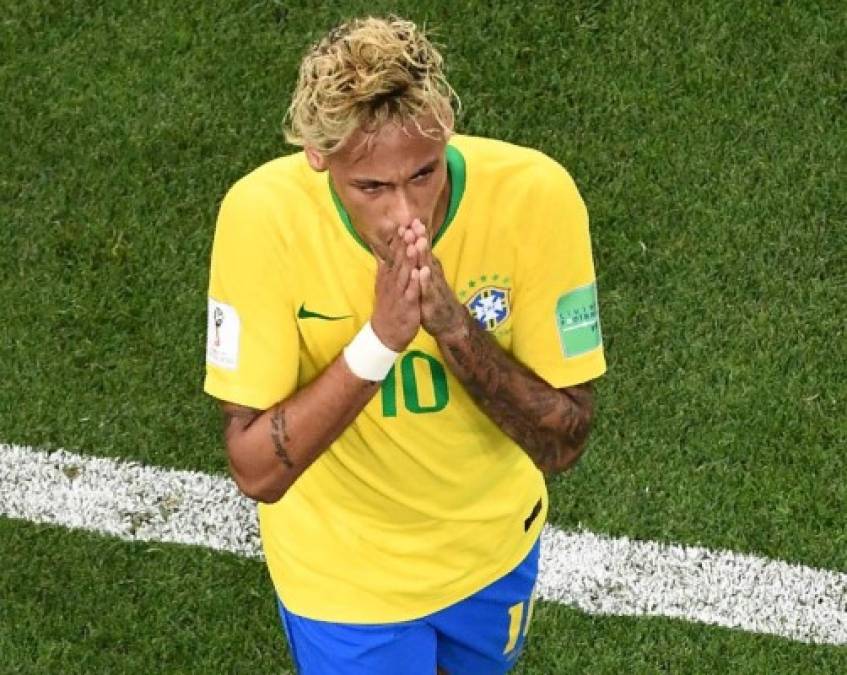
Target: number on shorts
{"points": [[516, 617]]}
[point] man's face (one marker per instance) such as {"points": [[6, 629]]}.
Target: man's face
{"points": [[401, 175]]}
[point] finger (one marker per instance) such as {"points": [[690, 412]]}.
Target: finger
{"points": [[418, 227], [381, 266], [425, 252], [403, 265], [413, 256], [381, 251], [398, 252], [413, 290], [384, 252], [403, 273], [397, 236], [420, 246], [425, 279]]}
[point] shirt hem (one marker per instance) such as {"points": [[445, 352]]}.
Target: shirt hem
{"points": [[307, 609], [237, 395]]}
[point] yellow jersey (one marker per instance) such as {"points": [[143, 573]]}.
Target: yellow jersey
{"points": [[422, 500]]}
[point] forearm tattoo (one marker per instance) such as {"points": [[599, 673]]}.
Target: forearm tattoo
{"points": [[551, 425], [279, 437]]}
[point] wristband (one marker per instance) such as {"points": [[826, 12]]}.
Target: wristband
{"points": [[367, 357]]}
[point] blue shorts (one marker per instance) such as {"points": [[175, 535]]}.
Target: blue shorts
{"points": [[482, 634]]}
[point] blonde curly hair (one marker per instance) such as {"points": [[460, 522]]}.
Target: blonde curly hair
{"points": [[366, 73]]}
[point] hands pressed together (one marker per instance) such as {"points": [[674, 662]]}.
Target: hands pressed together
{"points": [[411, 291]]}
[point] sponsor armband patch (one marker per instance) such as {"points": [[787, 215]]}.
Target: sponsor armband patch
{"points": [[222, 335], [578, 321]]}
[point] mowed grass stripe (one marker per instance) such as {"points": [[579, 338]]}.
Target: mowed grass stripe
{"points": [[598, 574]]}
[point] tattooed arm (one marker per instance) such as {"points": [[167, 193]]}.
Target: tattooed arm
{"points": [[268, 450], [550, 424]]}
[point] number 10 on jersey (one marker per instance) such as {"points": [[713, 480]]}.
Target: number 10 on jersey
{"points": [[427, 377]]}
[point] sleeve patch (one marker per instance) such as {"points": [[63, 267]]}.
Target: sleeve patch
{"points": [[222, 335], [578, 321]]}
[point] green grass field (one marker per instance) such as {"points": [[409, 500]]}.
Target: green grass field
{"points": [[709, 142]]}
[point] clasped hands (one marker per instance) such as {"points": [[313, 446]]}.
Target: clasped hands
{"points": [[411, 291]]}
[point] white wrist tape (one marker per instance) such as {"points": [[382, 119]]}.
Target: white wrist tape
{"points": [[367, 357]]}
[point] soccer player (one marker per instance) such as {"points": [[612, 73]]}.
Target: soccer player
{"points": [[403, 331]]}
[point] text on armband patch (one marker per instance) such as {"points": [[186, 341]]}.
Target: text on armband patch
{"points": [[578, 320]]}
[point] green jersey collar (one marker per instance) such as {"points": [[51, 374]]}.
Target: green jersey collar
{"points": [[456, 176]]}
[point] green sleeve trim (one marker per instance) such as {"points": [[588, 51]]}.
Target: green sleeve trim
{"points": [[455, 174]]}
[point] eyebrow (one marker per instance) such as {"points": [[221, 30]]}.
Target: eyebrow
{"points": [[373, 182]]}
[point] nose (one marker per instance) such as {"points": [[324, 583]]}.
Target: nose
{"points": [[402, 211]]}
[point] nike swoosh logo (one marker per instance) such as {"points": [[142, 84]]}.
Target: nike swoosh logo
{"points": [[304, 313]]}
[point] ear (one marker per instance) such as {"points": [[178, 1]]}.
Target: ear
{"points": [[316, 160]]}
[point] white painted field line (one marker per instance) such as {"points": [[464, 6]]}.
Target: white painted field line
{"points": [[601, 575], [598, 574], [126, 499]]}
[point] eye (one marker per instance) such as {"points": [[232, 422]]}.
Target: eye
{"points": [[423, 175], [370, 189]]}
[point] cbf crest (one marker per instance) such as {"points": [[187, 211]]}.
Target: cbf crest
{"points": [[488, 303]]}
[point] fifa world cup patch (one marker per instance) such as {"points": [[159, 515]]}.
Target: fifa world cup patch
{"points": [[223, 333], [578, 320]]}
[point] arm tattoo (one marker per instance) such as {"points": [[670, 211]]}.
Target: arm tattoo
{"points": [[244, 417], [279, 436], [551, 425]]}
